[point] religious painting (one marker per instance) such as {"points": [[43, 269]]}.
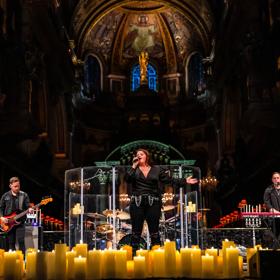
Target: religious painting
{"points": [[142, 34]]}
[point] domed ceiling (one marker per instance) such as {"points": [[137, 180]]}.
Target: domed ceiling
{"points": [[119, 30]]}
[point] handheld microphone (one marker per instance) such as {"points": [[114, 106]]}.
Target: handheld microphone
{"points": [[135, 159]]}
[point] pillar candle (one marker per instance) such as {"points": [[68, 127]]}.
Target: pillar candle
{"points": [[130, 268], [41, 265], [195, 263], [170, 258], [139, 267], [232, 263], [60, 260], [249, 253], [70, 255], [80, 268], [51, 265], [186, 261], [21, 264], [128, 250], [108, 264], [9, 264], [207, 266], [120, 264], [18, 270], [220, 266], [159, 263], [81, 249], [144, 253], [178, 265], [226, 244], [31, 264], [94, 264], [213, 252], [1, 262], [151, 263], [240, 263]]}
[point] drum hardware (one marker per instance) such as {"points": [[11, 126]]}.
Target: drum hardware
{"points": [[168, 208], [95, 215], [104, 228], [96, 226], [126, 226]]}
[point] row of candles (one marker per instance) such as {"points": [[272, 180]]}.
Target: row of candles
{"points": [[234, 216], [160, 262]]}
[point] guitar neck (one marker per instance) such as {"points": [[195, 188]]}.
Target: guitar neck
{"points": [[25, 212]]}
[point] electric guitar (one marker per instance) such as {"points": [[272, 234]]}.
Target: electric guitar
{"points": [[12, 218]]}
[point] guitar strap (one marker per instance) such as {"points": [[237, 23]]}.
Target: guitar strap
{"points": [[20, 201]]}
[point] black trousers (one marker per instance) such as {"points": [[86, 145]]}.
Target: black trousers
{"points": [[150, 213], [16, 235]]}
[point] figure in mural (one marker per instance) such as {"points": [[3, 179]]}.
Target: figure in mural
{"points": [[144, 38], [143, 62]]}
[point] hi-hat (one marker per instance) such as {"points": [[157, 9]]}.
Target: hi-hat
{"points": [[95, 215], [168, 207]]}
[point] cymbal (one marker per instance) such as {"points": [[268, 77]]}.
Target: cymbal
{"points": [[122, 215], [168, 207], [108, 213], [105, 228], [95, 215]]}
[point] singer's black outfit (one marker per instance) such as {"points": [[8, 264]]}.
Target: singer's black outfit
{"points": [[272, 200], [146, 201], [10, 204]]}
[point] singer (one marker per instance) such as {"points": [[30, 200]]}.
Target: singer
{"points": [[145, 203], [272, 202]]}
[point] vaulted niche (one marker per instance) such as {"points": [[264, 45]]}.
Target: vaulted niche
{"points": [[196, 77], [92, 77]]}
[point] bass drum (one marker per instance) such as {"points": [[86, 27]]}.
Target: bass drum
{"points": [[126, 240]]}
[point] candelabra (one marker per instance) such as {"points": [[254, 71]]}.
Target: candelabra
{"points": [[209, 180], [124, 197], [76, 186]]}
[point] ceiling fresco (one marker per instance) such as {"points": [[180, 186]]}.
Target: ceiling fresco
{"points": [[142, 33], [120, 34]]}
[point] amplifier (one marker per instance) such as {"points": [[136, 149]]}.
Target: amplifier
{"points": [[33, 237], [264, 264]]}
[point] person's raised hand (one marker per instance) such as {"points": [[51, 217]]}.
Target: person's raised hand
{"points": [[191, 180], [135, 162]]}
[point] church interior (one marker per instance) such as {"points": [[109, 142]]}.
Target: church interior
{"points": [[73, 93]]}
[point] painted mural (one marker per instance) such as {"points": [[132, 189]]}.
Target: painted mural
{"points": [[142, 34]]}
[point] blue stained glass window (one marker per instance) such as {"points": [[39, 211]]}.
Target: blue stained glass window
{"points": [[152, 77]]}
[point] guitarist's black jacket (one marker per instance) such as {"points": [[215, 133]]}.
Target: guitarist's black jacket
{"points": [[10, 204]]}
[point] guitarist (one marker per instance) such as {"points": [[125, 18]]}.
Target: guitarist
{"points": [[13, 201]]}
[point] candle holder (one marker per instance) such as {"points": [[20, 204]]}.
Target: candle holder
{"points": [[253, 222]]}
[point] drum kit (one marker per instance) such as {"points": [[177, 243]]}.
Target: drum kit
{"points": [[101, 225]]}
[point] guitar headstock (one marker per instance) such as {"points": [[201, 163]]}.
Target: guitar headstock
{"points": [[46, 200]]}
